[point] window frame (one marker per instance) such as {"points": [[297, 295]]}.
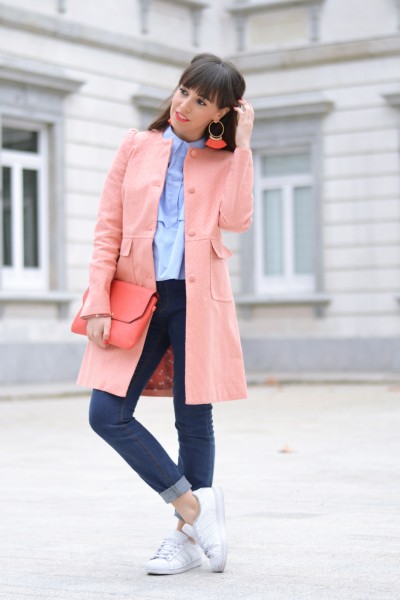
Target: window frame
{"points": [[288, 282], [19, 277]]}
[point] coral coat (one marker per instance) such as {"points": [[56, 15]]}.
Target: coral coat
{"points": [[218, 195]]}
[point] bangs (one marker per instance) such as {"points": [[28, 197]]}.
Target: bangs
{"points": [[211, 81], [216, 81]]}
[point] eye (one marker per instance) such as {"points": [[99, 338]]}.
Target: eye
{"points": [[201, 102], [183, 91]]}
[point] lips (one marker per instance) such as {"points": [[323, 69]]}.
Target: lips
{"points": [[180, 117]]}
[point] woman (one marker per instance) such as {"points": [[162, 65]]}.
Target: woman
{"points": [[169, 193]]}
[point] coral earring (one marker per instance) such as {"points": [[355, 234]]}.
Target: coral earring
{"points": [[217, 144], [216, 141]]}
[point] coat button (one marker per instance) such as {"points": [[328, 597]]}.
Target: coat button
{"points": [[191, 232], [191, 190], [192, 278], [193, 153]]}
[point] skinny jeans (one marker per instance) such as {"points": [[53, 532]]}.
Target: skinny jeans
{"points": [[113, 417]]}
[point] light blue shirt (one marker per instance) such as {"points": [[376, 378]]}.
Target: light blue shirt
{"points": [[169, 239]]}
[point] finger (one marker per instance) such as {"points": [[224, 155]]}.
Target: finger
{"points": [[106, 332]]}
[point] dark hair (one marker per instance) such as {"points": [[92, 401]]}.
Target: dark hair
{"points": [[218, 81]]}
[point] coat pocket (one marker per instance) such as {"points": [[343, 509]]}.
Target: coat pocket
{"points": [[220, 281], [124, 270]]}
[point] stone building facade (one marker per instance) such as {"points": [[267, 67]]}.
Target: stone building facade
{"points": [[316, 280]]}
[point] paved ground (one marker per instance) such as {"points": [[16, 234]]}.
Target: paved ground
{"points": [[312, 487]]}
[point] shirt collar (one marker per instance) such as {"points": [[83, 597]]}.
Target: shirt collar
{"points": [[170, 134]]}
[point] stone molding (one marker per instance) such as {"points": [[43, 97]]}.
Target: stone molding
{"points": [[62, 6], [318, 54], [149, 100], [288, 123], [246, 303], [61, 299], [36, 91], [148, 97], [247, 7], [91, 36], [195, 7], [293, 105], [241, 11], [42, 75]]}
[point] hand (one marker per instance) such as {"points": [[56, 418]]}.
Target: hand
{"points": [[98, 330], [245, 113]]}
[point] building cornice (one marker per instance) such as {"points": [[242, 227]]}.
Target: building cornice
{"points": [[248, 8], [40, 75], [148, 97], [195, 8], [291, 105], [191, 4], [317, 54], [91, 36]]}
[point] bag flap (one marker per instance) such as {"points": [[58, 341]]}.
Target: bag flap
{"points": [[128, 301], [221, 250]]}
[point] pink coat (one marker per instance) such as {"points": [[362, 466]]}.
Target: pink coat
{"points": [[218, 195]]}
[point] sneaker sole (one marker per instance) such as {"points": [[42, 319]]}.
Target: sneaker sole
{"points": [[219, 501], [192, 565]]}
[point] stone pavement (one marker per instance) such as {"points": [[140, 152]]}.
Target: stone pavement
{"points": [[311, 481]]}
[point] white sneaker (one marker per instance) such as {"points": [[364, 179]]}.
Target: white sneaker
{"points": [[176, 554], [209, 527]]}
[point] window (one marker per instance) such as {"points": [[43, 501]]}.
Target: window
{"points": [[24, 207], [285, 238]]}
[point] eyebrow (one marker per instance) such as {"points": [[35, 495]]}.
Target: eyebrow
{"points": [[198, 95]]}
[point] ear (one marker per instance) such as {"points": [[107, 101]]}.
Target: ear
{"points": [[221, 113]]}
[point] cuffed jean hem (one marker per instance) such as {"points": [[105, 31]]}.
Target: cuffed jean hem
{"points": [[176, 490]]}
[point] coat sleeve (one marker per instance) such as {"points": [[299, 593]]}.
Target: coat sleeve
{"points": [[108, 234], [236, 208]]}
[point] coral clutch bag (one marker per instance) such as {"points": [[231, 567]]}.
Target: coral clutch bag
{"points": [[132, 307]]}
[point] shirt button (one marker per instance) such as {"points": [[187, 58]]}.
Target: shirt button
{"points": [[192, 232], [192, 278], [193, 153], [191, 190]]}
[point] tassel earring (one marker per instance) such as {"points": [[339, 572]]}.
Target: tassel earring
{"points": [[216, 141]]}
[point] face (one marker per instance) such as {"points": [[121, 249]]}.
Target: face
{"points": [[191, 114]]}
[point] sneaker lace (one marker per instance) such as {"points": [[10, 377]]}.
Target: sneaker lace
{"points": [[167, 549]]}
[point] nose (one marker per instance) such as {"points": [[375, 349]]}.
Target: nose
{"points": [[186, 104]]}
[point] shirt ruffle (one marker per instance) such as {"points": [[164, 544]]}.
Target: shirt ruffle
{"points": [[169, 239]]}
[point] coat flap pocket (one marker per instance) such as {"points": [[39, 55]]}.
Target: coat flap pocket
{"points": [[220, 250], [126, 246]]}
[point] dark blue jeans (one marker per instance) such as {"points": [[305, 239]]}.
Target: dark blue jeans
{"points": [[112, 417]]}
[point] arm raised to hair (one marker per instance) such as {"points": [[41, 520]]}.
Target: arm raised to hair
{"points": [[236, 208]]}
